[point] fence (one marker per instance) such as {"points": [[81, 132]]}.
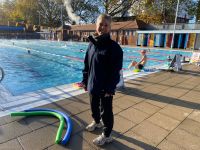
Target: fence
{"points": [[178, 26], [35, 35]]}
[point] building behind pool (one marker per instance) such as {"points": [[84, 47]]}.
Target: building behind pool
{"points": [[183, 39], [138, 33], [134, 32]]}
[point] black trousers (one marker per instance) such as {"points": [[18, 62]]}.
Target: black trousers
{"points": [[101, 108]]}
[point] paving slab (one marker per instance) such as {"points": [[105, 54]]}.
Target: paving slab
{"points": [[2, 121], [89, 136], [79, 106], [147, 108], [116, 110], [134, 115], [11, 145], [160, 101], [192, 102], [152, 89], [131, 140], [124, 102], [84, 117], [191, 126], [77, 125], [175, 114], [9, 119], [39, 139], [36, 122], [193, 95], [167, 145], [152, 132], [137, 83], [197, 88], [75, 143], [185, 85], [119, 94], [195, 115], [164, 121], [122, 125], [13, 130], [184, 103], [185, 139]]}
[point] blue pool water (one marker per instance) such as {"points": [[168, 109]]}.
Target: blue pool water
{"points": [[54, 63]]}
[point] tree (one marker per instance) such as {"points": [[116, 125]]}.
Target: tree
{"points": [[145, 10], [7, 11], [117, 8], [50, 11], [87, 10], [162, 11], [27, 9], [198, 11]]}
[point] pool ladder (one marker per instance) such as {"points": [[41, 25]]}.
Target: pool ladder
{"points": [[1, 74]]}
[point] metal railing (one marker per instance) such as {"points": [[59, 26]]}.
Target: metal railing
{"points": [[25, 35], [1, 74], [188, 26]]}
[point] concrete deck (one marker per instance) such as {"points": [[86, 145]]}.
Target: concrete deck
{"points": [[158, 111]]}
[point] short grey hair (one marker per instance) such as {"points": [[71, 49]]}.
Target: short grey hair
{"points": [[104, 16]]}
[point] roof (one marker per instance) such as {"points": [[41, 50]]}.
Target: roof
{"points": [[85, 27], [125, 25], [65, 27]]}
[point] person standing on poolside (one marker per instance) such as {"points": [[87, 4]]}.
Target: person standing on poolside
{"points": [[139, 65], [101, 73]]}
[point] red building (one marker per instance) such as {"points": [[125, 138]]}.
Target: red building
{"points": [[122, 32]]}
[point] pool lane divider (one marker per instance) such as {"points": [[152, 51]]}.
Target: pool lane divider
{"points": [[57, 55], [51, 112], [52, 54]]}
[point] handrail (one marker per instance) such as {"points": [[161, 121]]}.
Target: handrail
{"points": [[1, 74]]}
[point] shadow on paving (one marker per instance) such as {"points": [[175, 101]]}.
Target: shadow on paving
{"points": [[189, 72], [159, 98], [121, 146], [153, 83], [79, 129]]}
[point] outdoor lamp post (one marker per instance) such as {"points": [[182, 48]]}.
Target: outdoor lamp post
{"points": [[61, 14], [39, 18], [172, 43]]}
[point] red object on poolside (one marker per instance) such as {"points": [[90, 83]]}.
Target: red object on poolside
{"points": [[80, 84]]}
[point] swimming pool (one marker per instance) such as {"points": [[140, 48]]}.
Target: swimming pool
{"points": [[52, 63]]}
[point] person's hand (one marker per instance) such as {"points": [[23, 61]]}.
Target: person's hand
{"points": [[108, 95], [82, 85], [137, 64]]}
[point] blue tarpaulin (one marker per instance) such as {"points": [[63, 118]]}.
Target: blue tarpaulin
{"points": [[11, 28]]}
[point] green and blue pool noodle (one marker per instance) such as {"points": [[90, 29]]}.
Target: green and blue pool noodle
{"points": [[67, 120], [45, 113]]}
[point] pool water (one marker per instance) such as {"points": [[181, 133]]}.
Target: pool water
{"points": [[52, 63]]}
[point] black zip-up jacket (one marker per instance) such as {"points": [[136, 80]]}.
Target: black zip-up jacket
{"points": [[103, 62]]}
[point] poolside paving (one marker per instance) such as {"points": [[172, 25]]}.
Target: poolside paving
{"points": [[157, 111]]}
